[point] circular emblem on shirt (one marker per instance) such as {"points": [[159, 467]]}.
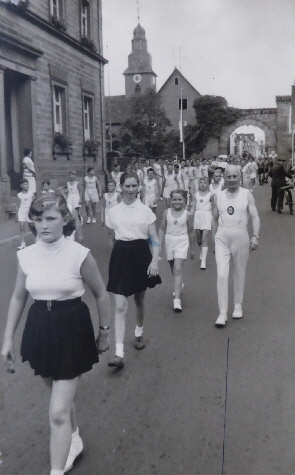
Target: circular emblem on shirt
{"points": [[230, 210]]}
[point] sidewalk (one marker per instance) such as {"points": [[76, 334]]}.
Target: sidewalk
{"points": [[9, 231]]}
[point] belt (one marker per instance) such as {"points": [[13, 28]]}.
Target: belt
{"points": [[57, 304]]}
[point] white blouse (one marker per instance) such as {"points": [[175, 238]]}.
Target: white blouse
{"points": [[53, 270], [131, 222]]}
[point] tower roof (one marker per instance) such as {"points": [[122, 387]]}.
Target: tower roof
{"points": [[139, 33], [139, 60]]}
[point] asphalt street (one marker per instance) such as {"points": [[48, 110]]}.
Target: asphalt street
{"points": [[198, 399]]}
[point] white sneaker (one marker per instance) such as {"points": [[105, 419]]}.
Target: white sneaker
{"points": [[177, 305], [75, 450], [203, 265], [22, 246], [88, 220], [238, 312], [94, 220], [182, 286], [222, 319]]}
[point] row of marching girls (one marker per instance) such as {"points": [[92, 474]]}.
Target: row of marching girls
{"points": [[58, 339], [89, 191]]}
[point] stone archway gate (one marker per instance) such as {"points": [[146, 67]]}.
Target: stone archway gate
{"points": [[265, 119]]}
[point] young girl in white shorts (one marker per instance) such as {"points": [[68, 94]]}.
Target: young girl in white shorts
{"points": [[25, 198], [92, 192], [150, 190], [74, 192], [170, 183], [177, 227], [202, 207], [110, 199]]}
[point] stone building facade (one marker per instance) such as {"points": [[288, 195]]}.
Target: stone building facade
{"points": [[51, 90]]}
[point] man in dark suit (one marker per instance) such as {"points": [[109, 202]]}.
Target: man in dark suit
{"points": [[278, 175]]}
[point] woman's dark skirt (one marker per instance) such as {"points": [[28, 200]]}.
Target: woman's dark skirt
{"points": [[128, 268], [59, 343]]}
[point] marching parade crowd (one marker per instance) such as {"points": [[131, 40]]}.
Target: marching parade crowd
{"points": [[207, 203]]}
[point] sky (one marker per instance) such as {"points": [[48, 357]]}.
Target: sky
{"points": [[243, 50]]}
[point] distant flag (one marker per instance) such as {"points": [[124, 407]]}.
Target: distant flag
{"points": [[180, 120]]}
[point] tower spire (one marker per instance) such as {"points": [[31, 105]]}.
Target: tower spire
{"points": [[138, 13]]}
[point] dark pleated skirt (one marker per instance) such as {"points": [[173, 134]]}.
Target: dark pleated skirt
{"points": [[59, 343], [128, 268]]}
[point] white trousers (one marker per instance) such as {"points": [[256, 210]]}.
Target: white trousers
{"points": [[231, 243]]}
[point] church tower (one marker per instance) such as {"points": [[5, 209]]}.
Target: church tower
{"points": [[139, 76]]}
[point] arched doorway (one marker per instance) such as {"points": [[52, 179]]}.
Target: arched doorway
{"points": [[247, 138], [270, 136]]}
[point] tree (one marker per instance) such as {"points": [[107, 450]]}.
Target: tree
{"points": [[212, 113], [145, 129]]}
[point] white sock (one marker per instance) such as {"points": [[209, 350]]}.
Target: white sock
{"points": [[204, 253], [76, 433], [138, 331], [120, 350], [55, 471]]}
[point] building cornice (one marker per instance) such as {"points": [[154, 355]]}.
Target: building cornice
{"points": [[49, 28], [19, 46]]}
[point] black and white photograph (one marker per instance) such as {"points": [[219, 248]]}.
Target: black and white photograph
{"points": [[147, 187]]}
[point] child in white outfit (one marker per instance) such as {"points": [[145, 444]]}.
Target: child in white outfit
{"points": [[177, 227], [150, 190], [202, 217], [25, 198]]}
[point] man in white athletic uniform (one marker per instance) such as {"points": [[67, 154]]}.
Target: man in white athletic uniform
{"points": [[231, 210]]}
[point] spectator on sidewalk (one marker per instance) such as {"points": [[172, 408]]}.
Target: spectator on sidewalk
{"points": [[29, 172], [278, 175]]}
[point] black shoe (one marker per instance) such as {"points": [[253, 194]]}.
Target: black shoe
{"points": [[273, 209], [279, 211], [116, 362], [139, 343]]}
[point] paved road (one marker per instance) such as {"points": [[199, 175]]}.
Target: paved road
{"points": [[165, 412]]}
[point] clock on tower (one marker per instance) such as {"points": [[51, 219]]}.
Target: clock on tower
{"points": [[137, 78]]}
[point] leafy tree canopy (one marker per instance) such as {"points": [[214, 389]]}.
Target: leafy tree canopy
{"points": [[145, 128], [212, 113]]}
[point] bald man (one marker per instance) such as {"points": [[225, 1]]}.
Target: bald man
{"points": [[231, 210]]}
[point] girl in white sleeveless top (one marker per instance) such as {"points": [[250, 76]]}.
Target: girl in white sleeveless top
{"points": [[202, 217], [159, 174], [177, 227], [110, 199], [170, 183], [150, 191], [74, 189], [58, 339]]}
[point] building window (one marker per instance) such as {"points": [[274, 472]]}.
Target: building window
{"points": [[184, 104], [56, 8], [85, 19], [59, 110], [137, 89], [176, 81], [88, 117]]}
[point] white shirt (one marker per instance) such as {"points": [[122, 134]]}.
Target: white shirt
{"points": [[25, 199], [233, 212], [131, 222], [27, 173], [53, 270]]}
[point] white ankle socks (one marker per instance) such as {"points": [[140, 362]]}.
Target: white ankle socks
{"points": [[55, 471], [120, 350], [138, 331]]}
